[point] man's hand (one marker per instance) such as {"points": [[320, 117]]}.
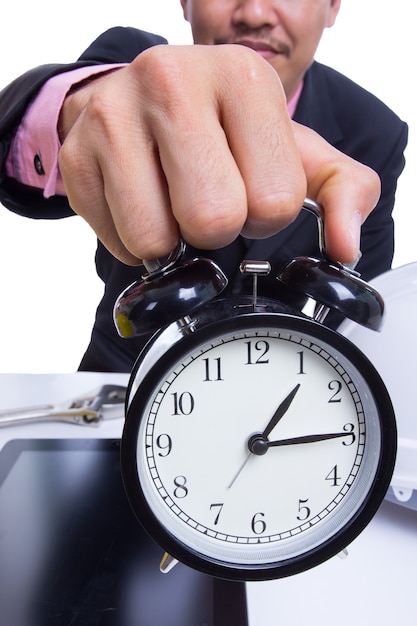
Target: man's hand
{"points": [[196, 141]]}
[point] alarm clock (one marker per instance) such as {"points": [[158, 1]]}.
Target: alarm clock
{"points": [[258, 442]]}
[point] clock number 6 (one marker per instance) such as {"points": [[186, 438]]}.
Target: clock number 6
{"points": [[258, 525]]}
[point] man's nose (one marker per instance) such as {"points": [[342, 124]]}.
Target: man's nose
{"points": [[256, 13]]}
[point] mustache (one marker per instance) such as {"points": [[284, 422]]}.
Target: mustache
{"points": [[261, 37]]}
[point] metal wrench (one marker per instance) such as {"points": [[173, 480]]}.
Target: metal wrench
{"points": [[89, 409]]}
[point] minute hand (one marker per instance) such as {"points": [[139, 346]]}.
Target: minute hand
{"points": [[305, 439], [280, 412]]}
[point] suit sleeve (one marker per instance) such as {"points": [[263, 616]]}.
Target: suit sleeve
{"points": [[117, 45]]}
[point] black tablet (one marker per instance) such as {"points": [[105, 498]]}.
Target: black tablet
{"points": [[73, 554]]}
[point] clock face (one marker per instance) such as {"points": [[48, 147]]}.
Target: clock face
{"points": [[258, 448]]}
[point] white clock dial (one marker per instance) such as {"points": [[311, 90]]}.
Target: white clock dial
{"points": [[258, 445]]}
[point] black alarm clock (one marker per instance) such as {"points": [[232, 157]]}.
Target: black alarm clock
{"points": [[258, 443]]}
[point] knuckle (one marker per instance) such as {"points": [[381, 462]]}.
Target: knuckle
{"points": [[259, 77], [213, 224], [271, 213], [161, 72], [153, 240]]}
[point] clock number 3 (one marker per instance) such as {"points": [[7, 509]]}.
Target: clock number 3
{"points": [[349, 429]]}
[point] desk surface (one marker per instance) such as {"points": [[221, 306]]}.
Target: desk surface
{"points": [[375, 584]]}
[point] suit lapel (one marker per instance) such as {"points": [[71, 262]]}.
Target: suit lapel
{"points": [[315, 107]]}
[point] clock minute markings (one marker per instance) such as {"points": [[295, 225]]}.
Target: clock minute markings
{"points": [[277, 416]]}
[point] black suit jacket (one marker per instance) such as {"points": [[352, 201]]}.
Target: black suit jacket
{"points": [[347, 116]]}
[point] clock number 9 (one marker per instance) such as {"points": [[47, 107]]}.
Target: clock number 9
{"points": [[164, 443]]}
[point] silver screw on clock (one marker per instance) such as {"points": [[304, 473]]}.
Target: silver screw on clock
{"points": [[255, 269]]}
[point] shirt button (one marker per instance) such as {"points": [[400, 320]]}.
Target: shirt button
{"points": [[38, 165]]}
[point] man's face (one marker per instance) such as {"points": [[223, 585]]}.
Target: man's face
{"points": [[285, 32]]}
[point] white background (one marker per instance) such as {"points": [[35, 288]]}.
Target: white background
{"points": [[48, 285]]}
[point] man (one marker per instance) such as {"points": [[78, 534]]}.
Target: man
{"points": [[196, 141], [160, 141]]}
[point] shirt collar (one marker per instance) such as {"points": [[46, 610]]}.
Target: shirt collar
{"points": [[292, 102]]}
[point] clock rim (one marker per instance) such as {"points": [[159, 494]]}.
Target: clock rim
{"points": [[313, 557]]}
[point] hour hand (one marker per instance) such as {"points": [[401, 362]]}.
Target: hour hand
{"points": [[280, 412]]}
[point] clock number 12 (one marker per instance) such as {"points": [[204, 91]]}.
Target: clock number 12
{"points": [[257, 352]]}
